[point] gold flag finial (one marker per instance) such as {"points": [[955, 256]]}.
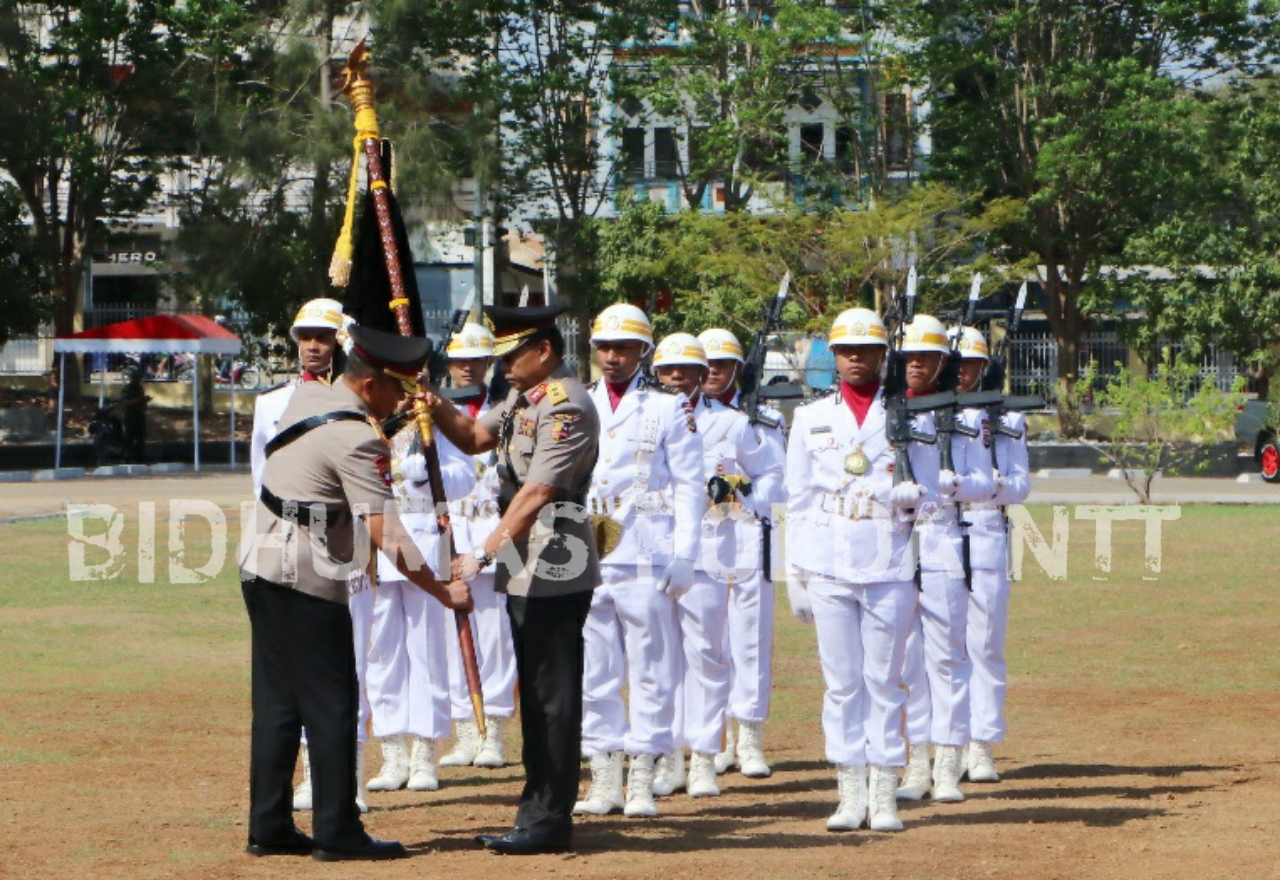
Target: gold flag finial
{"points": [[359, 89]]}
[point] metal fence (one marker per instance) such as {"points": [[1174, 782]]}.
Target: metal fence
{"points": [[1033, 361]]}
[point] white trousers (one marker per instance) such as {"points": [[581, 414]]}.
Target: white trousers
{"points": [[495, 654], [702, 691], [988, 623], [408, 677], [749, 648], [862, 631], [936, 667], [630, 638]]}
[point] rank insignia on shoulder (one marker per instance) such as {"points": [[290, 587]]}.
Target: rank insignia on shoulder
{"points": [[556, 393], [536, 394], [527, 428]]}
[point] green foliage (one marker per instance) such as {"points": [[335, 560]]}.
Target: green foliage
{"points": [[25, 293], [1159, 423], [719, 269]]}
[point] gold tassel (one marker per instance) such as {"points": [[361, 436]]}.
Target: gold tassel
{"points": [[344, 250]]}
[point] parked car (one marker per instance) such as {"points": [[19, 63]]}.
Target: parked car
{"points": [[1256, 431]]}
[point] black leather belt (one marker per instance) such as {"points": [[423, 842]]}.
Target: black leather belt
{"points": [[297, 511]]}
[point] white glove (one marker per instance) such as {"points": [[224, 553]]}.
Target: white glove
{"points": [[798, 596], [905, 496], [414, 467], [948, 483], [676, 579]]}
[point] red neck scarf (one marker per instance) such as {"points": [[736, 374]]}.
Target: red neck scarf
{"points": [[308, 376], [859, 398], [727, 397], [474, 403], [616, 390]]}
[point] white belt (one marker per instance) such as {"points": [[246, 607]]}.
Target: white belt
{"points": [[936, 515], [469, 508], [983, 505], [854, 507], [644, 502]]}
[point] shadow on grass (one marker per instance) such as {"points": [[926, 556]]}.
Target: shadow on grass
{"points": [[1088, 771]]}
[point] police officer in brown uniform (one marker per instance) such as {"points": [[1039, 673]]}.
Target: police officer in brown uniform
{"points": [[295, 556], [547, 435]]}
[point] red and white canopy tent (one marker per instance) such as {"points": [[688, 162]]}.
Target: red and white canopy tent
{"points": [[156, 334]]}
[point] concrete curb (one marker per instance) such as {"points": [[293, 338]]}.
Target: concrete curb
{"points": [[67, 473], [1063, 473], [121, 470]]}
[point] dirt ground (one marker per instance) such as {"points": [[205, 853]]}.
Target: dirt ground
{"points": [[1142, 741]]}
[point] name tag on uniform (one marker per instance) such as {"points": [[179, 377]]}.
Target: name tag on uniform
{"points": [[821, 429]]}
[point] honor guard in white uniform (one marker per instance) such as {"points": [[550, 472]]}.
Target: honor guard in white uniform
{"points": [[734, 464], [989, 540], [474, 518], [937, 668], [315, 330], [850, 569], [407, 674], [749, 634], [646, 500]]}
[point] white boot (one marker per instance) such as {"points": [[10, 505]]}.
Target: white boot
{"points": [[395, 764], [916, 781], [302, 794], [640, 787], [725, 759], [751, 750], [362, 793], [702, 776], [422, 765], [493, 752], [605, 794], [466, 745], [851, 782], [981, 762], [946, 774], [668, 774], [883, 810]]}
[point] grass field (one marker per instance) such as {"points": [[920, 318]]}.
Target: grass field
{"points": [[1143, 735]]}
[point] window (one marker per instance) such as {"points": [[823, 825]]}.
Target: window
{"points": [[811, 138], [897, 130], [631, 157], [846, 149], [666, 157]]}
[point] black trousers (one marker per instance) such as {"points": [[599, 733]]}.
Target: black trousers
{"points": [[304, 673], [547, 633]]}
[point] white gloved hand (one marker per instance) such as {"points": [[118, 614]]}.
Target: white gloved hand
{"points": [[798, 597], [948, 483], [905, 496], [676, 579], [414, 467]]}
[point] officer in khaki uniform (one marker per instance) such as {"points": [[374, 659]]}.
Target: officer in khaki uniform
{"points": [[546, 433], [296, 554]]}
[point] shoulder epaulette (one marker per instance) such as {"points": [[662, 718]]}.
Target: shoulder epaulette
{"points": [[275, 387], [556, 393], [830, 391]]}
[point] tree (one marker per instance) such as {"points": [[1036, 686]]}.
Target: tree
{"points": [[1070, 107], [719, 269], [24, 295], [1209, 274], [85, 123], [1159, 424]]}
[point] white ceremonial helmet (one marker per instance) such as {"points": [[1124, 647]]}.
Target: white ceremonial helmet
{"points": [[622, 322], [473, 341], [972, 345], [679, 349], [322, 314], [858, 327], [925, 334], [721, 345]]}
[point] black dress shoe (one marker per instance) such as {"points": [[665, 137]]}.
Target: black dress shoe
{"points": [[370, 850], [298, 844], [486, 839], [523, 842]]}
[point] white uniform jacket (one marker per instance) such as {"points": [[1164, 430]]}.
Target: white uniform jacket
{"points": [[475, 516], [988, 532], [937, 516], [267, 410], [731, 535], [839, 524], [416, 507], [649, 476]]}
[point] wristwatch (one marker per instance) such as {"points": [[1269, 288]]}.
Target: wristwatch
{"points": [[482, 556]]}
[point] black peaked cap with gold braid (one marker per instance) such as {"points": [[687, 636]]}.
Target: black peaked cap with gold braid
{"points": [[513, 327]]}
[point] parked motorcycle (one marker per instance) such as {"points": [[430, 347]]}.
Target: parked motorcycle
{"points": [[107, 432]]}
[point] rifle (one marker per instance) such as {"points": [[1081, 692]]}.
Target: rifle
{"points": [[359, 89], [753, 370], [993, 381]]}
